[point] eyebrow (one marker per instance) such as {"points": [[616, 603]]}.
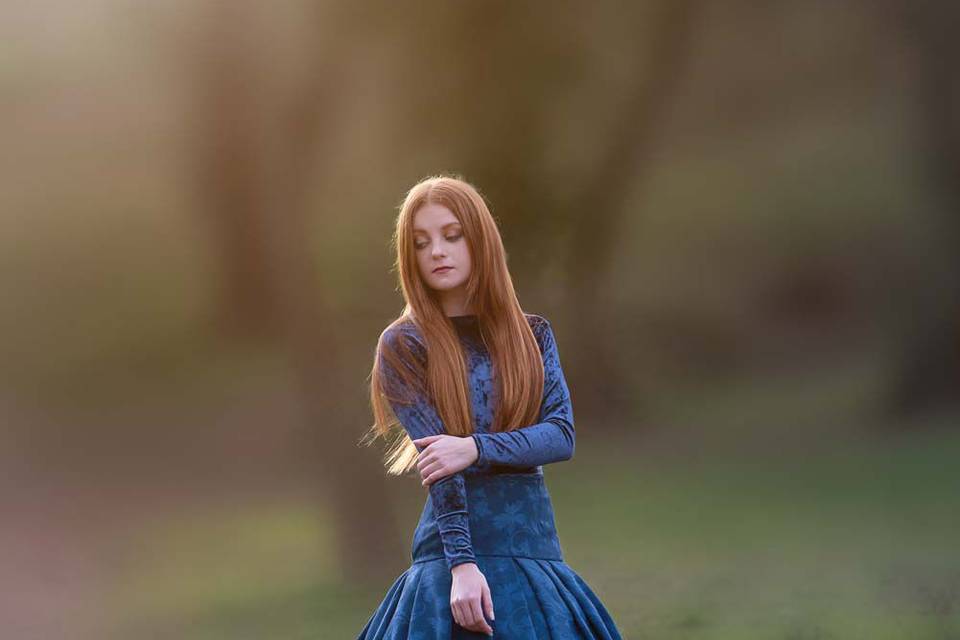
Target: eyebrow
{"points": [[449, 224]]}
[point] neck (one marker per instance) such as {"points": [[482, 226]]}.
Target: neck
{"points": [[454, 303]]}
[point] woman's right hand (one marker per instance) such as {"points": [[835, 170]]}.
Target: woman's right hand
{"points": [[470, 598]]}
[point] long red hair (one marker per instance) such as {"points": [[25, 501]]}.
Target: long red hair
{"points": [[513, 349]]}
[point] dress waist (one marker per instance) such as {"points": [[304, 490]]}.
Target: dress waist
{"points": [[510, 515]]}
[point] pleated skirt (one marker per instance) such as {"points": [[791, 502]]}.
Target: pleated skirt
{"points": [[536, 595]]}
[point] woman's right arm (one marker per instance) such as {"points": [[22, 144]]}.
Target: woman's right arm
{"points": [[419, 418], [470, 595]]}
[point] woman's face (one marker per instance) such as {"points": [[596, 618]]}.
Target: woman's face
{"points": [[439, 244]]}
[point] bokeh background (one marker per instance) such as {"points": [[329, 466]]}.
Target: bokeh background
{"points": [[741, 219]]}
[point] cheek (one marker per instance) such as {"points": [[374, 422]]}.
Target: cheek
{"points": [[465, 256], [422, 264]]}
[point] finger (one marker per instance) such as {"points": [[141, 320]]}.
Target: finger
{"points": [[429, 468], [476, 616], [467, 615], [436, 475], [487, 601], [478, 620], [423, 461], [430, 478], [455, 609], [464, 610], [426, 440]]}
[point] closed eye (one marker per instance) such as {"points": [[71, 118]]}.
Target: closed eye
{"points": [[422, 245]]}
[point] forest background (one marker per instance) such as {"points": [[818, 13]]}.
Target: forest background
{"points": [[740, 218]]}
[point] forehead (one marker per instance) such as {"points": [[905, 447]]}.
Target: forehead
{"points": [[433, 216]]}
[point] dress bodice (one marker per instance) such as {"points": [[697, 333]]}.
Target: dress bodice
{"points": [[517, 452]]}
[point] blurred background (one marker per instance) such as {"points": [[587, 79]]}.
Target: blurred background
{"points": [[740, 218]]}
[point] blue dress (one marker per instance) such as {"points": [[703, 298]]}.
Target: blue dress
{"points": [[496, 513]]}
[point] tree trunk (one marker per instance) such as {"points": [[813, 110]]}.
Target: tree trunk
{"points": [[260, 141]]}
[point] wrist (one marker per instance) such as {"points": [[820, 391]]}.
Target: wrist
{"points": [[477, 451], [463, 567]]}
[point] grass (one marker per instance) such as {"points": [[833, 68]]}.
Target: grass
{"points": [[729, 525], [856, 542]]}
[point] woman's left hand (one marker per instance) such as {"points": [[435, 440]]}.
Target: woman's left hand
{"points": [[444, 455]]}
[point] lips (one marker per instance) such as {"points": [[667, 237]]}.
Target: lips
{"points": [[442, 269]]}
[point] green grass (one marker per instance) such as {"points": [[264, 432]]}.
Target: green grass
{"points": [[855, 542], [861, 542]]}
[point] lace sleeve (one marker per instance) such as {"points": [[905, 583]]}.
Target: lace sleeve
{"points": [[550, 440], [419, 418]]}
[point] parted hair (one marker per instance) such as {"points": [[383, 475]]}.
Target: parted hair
{"points": [[421, 346]]}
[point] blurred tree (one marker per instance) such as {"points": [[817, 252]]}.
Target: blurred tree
{"points": [[928, 373], [260, 127], [511, 68], [597, 210]]}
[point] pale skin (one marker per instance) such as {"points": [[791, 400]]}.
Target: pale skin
{"points": [[439, 242]]}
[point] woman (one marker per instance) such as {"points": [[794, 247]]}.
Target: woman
{"points": [[476, 385]]}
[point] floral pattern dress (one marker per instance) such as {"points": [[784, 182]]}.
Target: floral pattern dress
{"points": [[496, 512]]}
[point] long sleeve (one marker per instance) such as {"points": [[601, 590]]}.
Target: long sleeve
{"points": [[550, 440], [419, 419]]}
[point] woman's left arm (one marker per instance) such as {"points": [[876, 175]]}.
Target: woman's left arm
{"points": [[550, 440]]}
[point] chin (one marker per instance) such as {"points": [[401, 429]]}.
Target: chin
{"points": [[445, 285]]}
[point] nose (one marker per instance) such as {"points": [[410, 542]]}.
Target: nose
{"points": [[438, 251]]}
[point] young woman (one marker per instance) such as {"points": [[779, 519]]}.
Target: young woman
{"points": [[476, 385]]}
